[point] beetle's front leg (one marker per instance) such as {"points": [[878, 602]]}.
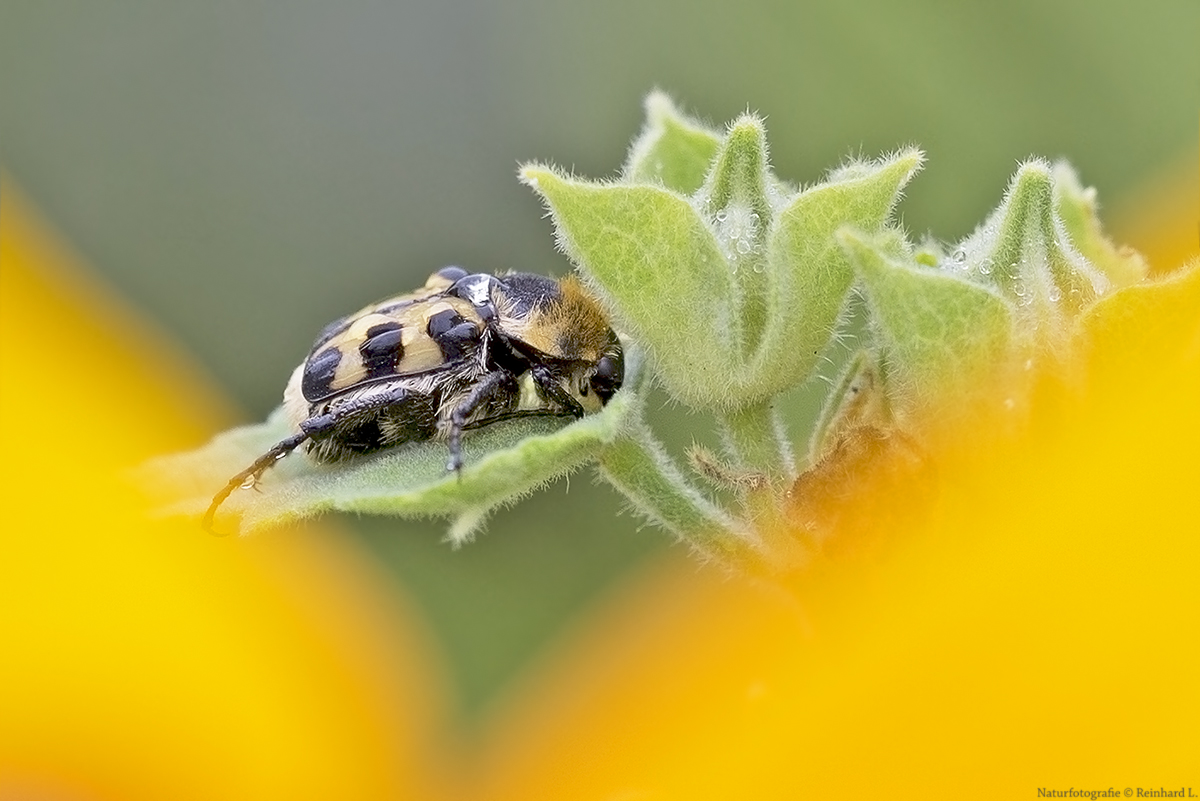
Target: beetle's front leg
{"points": [[552, 390]]}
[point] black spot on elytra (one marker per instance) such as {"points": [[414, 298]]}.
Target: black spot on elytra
{"points": [[382, 350], [442, 322], [318, 373], [454, 335]]}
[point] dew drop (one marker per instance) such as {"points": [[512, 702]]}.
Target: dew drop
{"points": [[1055, 294], [722, 216], [985, 266], [960, 256], [742, 245], [775, 197], [249, 483]]}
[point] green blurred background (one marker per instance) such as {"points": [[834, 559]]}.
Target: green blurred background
{"points": [[245, 172]]}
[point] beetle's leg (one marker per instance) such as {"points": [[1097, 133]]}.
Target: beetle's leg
{"points": [[552, 390], [312, 428], [499, 384], [320, 424], [251, 474]]}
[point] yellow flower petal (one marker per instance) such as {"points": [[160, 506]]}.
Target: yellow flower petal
{"points": [[149, 660]]}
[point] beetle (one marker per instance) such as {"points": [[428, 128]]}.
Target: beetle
{"points": [[464, 351]]}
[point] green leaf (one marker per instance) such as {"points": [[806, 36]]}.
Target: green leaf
{"points": [[734, 202], [929, 253], [809, 274], [739, 170], [501, 463], [943, 336], [673, 149], [640, 468], [656, 264], [1025, 251], [856, 399], [734, 292], [1076, 207]]}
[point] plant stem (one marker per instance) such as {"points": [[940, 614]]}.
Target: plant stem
{"points": [[754, 438], [638, 466]]}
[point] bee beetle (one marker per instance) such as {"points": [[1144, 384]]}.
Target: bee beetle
{"points": [[465, 351]]}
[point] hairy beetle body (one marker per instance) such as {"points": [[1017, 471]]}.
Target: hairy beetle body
{"points": [[464, 351]]}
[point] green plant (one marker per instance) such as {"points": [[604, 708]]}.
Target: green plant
{"points": [[729, 284]]}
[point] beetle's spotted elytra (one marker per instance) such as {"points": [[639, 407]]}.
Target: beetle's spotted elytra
{"points": [[464, 351]]}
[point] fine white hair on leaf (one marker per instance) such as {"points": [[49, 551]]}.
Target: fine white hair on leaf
{"points": [[466, 525]]}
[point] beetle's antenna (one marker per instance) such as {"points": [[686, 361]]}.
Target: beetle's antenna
{"points": [[251, 474]]}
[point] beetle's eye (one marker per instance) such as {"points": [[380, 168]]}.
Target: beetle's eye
{"points": [[610, 371]]}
